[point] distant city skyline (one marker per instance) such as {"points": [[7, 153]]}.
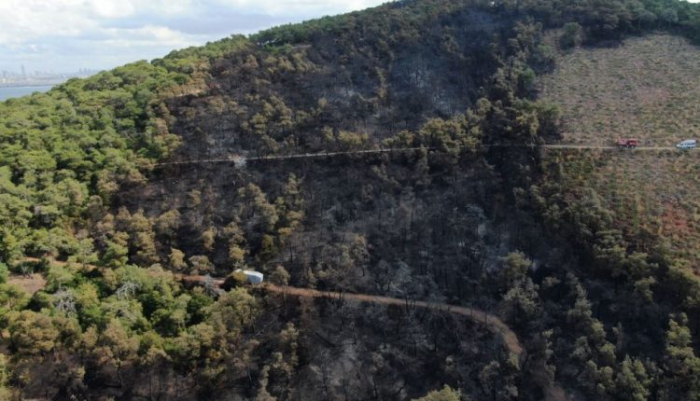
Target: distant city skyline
{"points": [[65, 36], [39, 78], [22, 71]]}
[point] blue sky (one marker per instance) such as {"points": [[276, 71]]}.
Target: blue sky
{"points": [[67, 35]]}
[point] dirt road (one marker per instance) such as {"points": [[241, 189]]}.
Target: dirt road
{"points": [[591, 147], [236, 159], [491, 322], [552, 391], [242, 160]]}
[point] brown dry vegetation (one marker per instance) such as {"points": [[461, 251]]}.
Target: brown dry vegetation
{"points": [[31, 284], [649, 192], [648, 88]]}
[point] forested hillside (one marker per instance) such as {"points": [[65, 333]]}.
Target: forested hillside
{"points": [[420, 173]]}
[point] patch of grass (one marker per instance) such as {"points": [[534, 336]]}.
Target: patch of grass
{"points": [[647, 88]]}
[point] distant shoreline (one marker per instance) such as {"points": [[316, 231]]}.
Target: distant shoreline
{"points": [[11, 92]]}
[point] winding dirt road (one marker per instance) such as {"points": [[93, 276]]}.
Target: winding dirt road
{"points": [[491, 322], [552, 391]]}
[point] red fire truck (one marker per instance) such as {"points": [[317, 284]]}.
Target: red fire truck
{"points": [[629, 143]]}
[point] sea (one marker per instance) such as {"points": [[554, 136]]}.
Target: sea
{"points": [[19, 91]]}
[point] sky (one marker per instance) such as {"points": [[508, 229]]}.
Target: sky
{"points": [[69, 35]]}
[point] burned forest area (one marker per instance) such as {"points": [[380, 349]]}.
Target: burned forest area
{"points": [[427, 190]]}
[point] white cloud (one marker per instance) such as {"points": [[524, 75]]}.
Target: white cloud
{"points": [[23, 20], [111, 8], [156, 36], [63, 35], [300, 6]]}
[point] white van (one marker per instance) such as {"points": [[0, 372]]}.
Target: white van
{"points": [[687, 144], [252, 276]]}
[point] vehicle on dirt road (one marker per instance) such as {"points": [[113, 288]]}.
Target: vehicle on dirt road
{"points": [[629, 143], [687, 144]]}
